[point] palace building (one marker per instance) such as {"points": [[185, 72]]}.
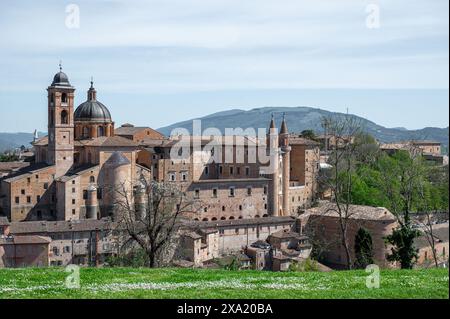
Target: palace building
{"points": [[84, 155]]}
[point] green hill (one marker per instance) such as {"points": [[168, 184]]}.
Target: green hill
{"points": [[302, 118]]}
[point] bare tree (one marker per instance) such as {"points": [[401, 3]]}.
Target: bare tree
{"points": [[341, 132], [430, 209], [150, 215]]}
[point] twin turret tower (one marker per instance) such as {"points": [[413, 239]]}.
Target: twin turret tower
{"points": [[280, 164]]}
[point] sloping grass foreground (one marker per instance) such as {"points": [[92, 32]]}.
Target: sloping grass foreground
{"points": [[193, 284]]}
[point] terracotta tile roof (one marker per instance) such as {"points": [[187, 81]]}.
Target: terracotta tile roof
{"points": [[131, 130], [59, 226], [355, 212], [78, 172], [42, 141], [9, 166], [297, 140], [104, 141], [25, 240], [286, 234], [440, 233], [27, 171], [239, 222]]}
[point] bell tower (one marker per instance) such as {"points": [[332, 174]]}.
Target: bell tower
{"points": [[60, 123]]}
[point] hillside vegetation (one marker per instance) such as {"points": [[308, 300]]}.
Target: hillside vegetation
{"points": [[305, 118]]}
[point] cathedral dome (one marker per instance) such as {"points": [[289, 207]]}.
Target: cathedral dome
{"points": [[92, 111]]}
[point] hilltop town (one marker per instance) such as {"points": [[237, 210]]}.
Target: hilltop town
{"points": [[61, 206]]}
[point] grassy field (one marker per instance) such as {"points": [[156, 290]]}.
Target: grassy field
{"points": [[190, 284]]}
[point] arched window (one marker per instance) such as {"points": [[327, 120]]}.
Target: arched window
{"points": [[223, 218], [64, 117], [205, 219], [231, 217], [64, 98], [214, 219], [92, 179], [101, 131], [85, 132]]}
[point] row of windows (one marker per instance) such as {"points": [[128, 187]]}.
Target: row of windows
{"points": [[205, 209], [231, 192], [173, 176], [231, 170], [29, 199], [233, 218], [101, 131]]}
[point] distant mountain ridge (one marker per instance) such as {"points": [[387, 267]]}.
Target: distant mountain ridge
{"points": [[10, 141], [298, 119], [303, 118]]}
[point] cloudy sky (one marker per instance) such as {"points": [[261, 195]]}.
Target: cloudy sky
{"points": [[160, 61]]}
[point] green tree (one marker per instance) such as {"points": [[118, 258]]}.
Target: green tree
{"points": [[403, 250], [363, 249], [309, 134], [402, 177]]}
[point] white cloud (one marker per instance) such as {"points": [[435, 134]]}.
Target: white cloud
{"points": [[183, 45]]}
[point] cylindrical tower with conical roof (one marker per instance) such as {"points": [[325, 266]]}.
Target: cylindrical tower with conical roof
{"points": [[286, 163], [118, 182], [272, 144]]}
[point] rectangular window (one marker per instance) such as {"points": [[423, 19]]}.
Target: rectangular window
{"points": [[247, 171], [73, 190], [17, 200], [249, 191], [197, 193], [73, 211], [45, 185], [232, 191], [215, 192], [73, 201], [22, 191], [231, 170], [206, 170], [238, 170], [265, 190], [38, 198], [28, 199], [220, 170]]}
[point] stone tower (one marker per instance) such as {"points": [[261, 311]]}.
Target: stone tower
{"points": [[286, 163], [60, 124], [274, 189]]}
